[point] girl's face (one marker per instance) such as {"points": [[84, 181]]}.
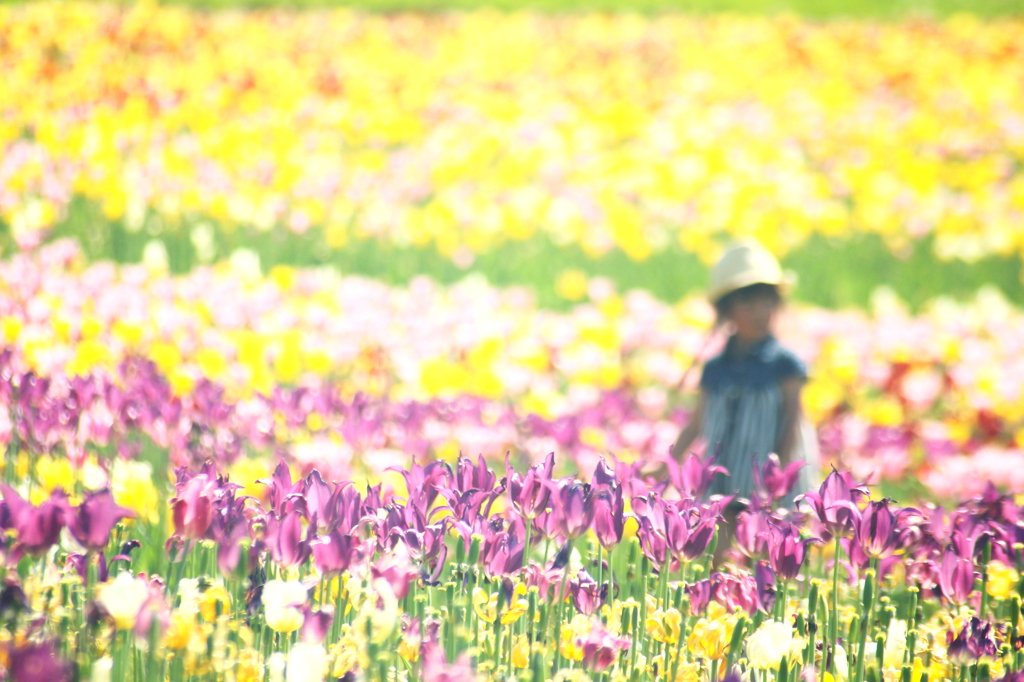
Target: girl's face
{"points": [[752, 315]]}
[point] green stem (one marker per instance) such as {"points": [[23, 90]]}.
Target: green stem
{"points": [[986, 556], [833, 622], [867, 604], [557, 605]]}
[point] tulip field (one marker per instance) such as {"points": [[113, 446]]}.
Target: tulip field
{"points": [[463, 136], [227, 475], [229, 457]]}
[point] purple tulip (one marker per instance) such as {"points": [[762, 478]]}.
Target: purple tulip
{"points": [[604, 476], [437, 669], [90, 523], [228, 526], [752, 533], [397, 571], [689, 530], [700, 595], [334, 552], [32, 662], [773, 481], [530, 493], [154, 610], [79, 563], [877, 530], [652, 542], [574, 507], [956, 572], [469, 476], [735, 593], [428, 548], [282, 491], [786, 550], [315, 625], [609, 517], [346, 508], [693, 476], [37, 528], [284, 539], [193, 508], [973, 642], [546, 580], [587, 595], [502, 553], [547, 524], [601, 649], [858, 561], [764, 579], [318, 496], [835, 504], [469, 510], [924, 574], [423, 483], [956, 577]]}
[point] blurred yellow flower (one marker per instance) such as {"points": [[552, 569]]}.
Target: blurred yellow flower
{"points": [[710, 637], [572, 285], [179, 631], [521, 652], [485, 605], [1002, 580], [664, 626], [215, 599], [131, 483]]}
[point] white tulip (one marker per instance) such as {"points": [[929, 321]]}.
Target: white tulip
{"points": [[275, 667], [842, 663], [101, 669], [769, 644], [895, 643], [307, 662], [381, 621], [282, 605], [123, 599], [188, 591]]}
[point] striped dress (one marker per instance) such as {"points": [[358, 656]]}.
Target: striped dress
{"points": [[743, 415]]}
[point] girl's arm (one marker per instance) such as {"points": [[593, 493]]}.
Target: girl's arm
{"points": [[691, 430], [791, 411]]}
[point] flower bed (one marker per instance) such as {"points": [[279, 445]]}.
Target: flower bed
{"points": [[463, 132], [337, 373], [465, 572]]}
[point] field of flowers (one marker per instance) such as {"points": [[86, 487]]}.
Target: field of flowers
{"points": [[220, 471], [350, 376], [466, 571], [462, 132], [231, 476]]}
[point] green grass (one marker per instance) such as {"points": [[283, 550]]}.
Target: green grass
{"points": [[832, 273], [816, 9]]}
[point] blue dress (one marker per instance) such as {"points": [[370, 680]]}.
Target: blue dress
{"points": [[743, 413]]}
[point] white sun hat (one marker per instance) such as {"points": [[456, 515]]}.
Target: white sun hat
{"points": [[745, 263]]}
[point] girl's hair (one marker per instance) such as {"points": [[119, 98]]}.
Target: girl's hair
{"points": [[724, 305]]}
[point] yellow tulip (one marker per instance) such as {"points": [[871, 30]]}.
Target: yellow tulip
{"points": [[1002, 580], [664, 626], [485, 605], [521, 652]]}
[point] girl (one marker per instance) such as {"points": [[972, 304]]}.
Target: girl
{"points": [[749, 404]]}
